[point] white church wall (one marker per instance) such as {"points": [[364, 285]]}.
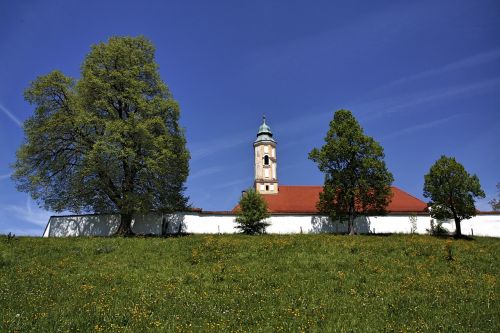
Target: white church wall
{"points": [[479, 225], [82, 225], [289, 224], [210, 224], [213, 223], [398, 224]]}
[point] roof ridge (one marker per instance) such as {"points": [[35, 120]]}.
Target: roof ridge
{"points": [[301, 185]]}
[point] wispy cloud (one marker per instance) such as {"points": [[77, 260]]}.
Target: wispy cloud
{"points": [[288, 128], [475, 60], [232, 183], [200, 150], [26, 213], [382, 107], [205, 172], [11, 116], [369, 110], [419, 127], [6, 176], [376, 108], [451, 92]]}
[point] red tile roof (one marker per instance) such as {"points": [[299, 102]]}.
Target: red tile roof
{"points": [[303, 199]]}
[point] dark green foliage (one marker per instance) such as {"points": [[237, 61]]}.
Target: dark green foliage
{"points": [[238, 283], [108, 142], [252, 211], [452, 191], [357, 181], [495, 203], [10, 236], [437, 229]]}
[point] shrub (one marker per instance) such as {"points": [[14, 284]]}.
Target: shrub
{"points": [[437, 229], [251, 213], [413, 223]]}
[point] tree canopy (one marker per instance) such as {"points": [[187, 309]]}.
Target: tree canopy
{"points": [[495, 203], [109, 142], [252, 212], [357, 181], [452, 191]]}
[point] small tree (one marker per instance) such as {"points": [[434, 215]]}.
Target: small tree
{"points": [[495, 203], [452, 191], [413, 223], [251, 213], [357, 181]]}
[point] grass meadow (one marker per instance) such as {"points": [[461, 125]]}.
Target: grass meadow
{"points": [[239, 283]]}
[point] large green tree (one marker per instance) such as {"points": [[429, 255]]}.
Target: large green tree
{"points": [[357, 181], [452, 191], [252, 211], [109, 142]]}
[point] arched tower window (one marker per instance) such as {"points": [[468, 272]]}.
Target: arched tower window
{"points": [[266, 160]]}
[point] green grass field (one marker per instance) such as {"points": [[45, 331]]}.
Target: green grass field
{"points": [[244, 283]]}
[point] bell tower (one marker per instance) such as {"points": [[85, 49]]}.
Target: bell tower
{"points": [[266, 180]]}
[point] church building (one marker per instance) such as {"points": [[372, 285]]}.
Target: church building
{"points": [[282, 199]]}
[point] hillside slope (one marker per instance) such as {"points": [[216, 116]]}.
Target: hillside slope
{"points": [[239, 283]]}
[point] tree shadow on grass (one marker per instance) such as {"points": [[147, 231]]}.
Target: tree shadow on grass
{"points": [[182, 234], [382, 234], [448, 236]]}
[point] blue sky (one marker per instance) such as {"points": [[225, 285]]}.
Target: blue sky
{"points": [[422, 77]]}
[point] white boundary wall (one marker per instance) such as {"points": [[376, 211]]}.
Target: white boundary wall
{"points": [[213, 223]]}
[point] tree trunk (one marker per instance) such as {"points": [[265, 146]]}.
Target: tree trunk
{"points": [[350, 225], [179, 231], [125, 228], [164, 226], [458, 228]]}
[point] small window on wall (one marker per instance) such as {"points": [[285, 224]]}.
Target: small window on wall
{"points": [[267, 187], [266, 160]]}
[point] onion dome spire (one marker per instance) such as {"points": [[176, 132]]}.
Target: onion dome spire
{"points": [[264, 133]]}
